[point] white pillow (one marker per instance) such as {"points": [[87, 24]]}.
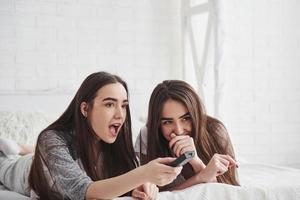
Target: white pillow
{"points": [[23, 127]]}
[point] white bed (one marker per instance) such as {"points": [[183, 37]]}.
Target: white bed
{"points": [[259, 181]]}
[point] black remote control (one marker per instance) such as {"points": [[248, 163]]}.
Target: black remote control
{"points": [[183, 159]]}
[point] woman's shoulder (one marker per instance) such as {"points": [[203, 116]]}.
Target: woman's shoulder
{"points": [[220, 134], [216, 127], [57, 142], [54, 137], [213, 123]]}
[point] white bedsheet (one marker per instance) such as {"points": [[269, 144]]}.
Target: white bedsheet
{"points": [[9, 195], [259, 181]]}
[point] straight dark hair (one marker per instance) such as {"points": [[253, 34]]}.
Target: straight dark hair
{"points": [[118, 157], [209, 134]]}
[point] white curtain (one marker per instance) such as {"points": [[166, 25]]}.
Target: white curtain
{"points": [[203, 61], [219, 35]]}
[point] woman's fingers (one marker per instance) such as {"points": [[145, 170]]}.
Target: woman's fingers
{"points": [[154, 192], [138, 194], [147, 191], [218, 165], [181, 141], [180, 149], [166, 167], [147, 188], [221, 169], [223, 157], [186, 143], [165, 160], [176, 139], [161, 173], [231, 161], [151, 190], [185, 149], [224, 161]]}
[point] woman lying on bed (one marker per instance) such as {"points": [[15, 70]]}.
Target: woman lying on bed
{"points": [[87, 153], [176, 124]]}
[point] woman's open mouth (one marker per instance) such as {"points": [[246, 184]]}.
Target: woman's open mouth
{"points": [[114, 129]]}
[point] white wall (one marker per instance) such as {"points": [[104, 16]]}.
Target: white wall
{"points": [[262, 67], [47, 48]]}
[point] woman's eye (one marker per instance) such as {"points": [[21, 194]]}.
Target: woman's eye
{"points": [[108, 105], [166, 122], [186, 119], [124, 106]]}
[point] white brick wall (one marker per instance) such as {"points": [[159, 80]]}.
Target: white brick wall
{"points": [[47, 48], [262, 102]]}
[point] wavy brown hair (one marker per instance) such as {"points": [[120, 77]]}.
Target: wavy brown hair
{"points": [[118, 157], [209, 134]]}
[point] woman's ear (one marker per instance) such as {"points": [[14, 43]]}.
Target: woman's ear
{"points": [[84, 108]]}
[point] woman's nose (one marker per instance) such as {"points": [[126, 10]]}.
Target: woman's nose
{"points": [[119, 113], [178, 129]]}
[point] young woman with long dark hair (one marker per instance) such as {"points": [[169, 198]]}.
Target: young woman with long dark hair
{"points": [[177, 123], [87, 153]]}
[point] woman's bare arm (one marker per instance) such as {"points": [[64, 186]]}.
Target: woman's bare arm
{"points": [[155, 172], [116, 186]]}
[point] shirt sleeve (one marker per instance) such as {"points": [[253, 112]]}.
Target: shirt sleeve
{"points": [[140, 146], [71, 181]]}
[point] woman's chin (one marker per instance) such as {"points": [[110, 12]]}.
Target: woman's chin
{"points": [[110, 139]]}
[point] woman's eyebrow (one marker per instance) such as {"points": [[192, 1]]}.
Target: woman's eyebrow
{"points": [[182, 116], [166, 118], [185, 115], [114, 99]]}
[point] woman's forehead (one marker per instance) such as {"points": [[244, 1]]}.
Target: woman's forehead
{"points": [[173, 109], [113, 90]]}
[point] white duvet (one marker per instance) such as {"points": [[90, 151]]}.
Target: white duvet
{"points": [[259, 181], [222, 191]]}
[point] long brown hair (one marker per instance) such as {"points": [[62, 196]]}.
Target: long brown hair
{"points": [[209, 134], [118, 157]]}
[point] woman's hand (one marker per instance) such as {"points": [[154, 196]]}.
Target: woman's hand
{"points": [[182, 144], [147, 191], [218, 165], [158, 172]]}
